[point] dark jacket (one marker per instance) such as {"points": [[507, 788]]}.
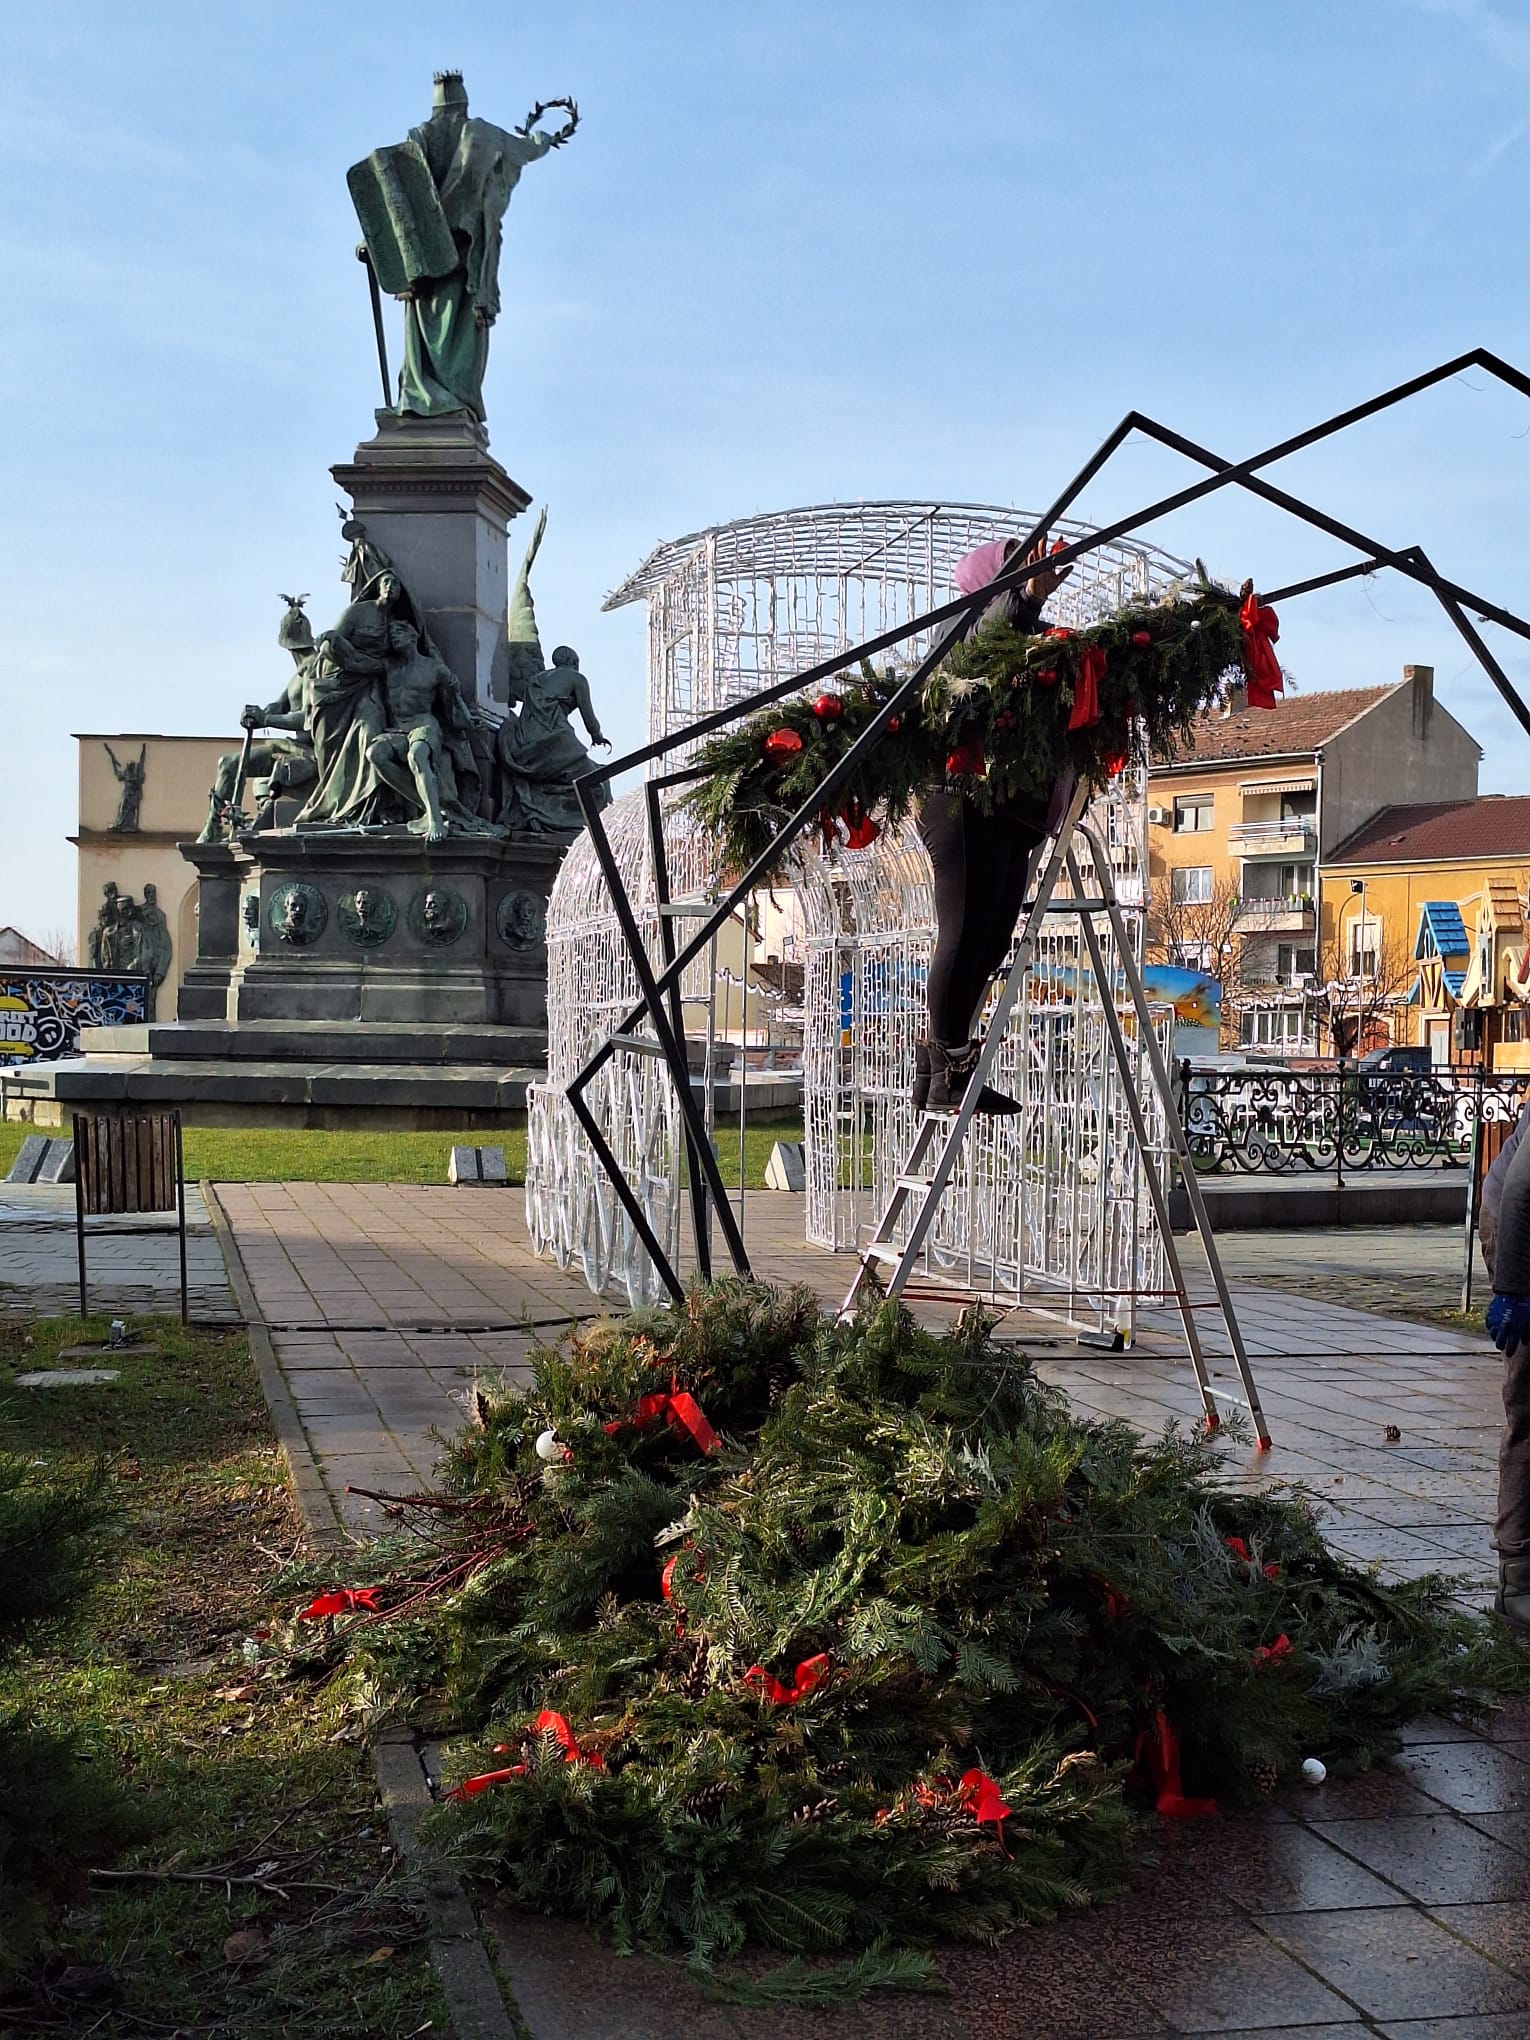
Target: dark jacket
{"points": [[1492, 1190], [1511, 1257]]}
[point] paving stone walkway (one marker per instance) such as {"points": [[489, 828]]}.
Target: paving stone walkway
{"points": [[1395, 1905], [132, 1262]]}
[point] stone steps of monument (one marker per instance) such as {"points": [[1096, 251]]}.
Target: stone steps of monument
{"points": [[316, 1041], [288, 1093]]}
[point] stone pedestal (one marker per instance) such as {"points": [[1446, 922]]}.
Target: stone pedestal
{"points": [[385, 928], [434, 498], [203, 991]]}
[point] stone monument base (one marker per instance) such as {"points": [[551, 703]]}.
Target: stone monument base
{"points": [[342, 979], [383, 926], [275, 1073]]}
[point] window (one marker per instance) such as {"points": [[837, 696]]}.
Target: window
{"points": [[1277, 881], [1299, 807], [1364, 945], [1190, 885], [1273, 1027], [1294, 960], [1194, 813], [1193, 956], [1511, 1024]]}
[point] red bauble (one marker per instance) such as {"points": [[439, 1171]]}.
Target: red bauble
{"points": [[895, 724], [1142, 637], [1004, 721], [781, 744], [828, 708], [1046, 678]]}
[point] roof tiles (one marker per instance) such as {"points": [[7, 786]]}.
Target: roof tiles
{"points": [[1494, 825], [1296, 726]]}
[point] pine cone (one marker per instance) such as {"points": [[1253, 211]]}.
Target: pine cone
{"points": [[693, 1680], [819, 1810], [708, 1800], [1263, 1776], [778, 1379]]}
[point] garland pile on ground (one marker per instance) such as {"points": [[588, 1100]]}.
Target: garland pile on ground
{"points": [[822, 1635], [1005, 713]]}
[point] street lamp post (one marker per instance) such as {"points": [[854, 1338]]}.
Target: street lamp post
{"points": [[1356, 891]]}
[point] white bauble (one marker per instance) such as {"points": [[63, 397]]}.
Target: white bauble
{"points": [[1314, 1770]]}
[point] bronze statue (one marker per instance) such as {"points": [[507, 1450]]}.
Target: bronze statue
{"points": [[540, 755], [130, 778], [281, 765], [430, 209]]}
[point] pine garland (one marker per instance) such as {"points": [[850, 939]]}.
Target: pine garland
{"points": [[792, 1678], [1006, 713]]}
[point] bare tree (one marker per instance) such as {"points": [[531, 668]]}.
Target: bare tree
{"points": [[1351, 1003], [61, 945]]}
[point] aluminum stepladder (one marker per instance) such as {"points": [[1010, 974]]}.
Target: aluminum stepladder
{"points": [[943, 1135]]}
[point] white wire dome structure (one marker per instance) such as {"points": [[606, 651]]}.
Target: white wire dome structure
{"points": [[1051, 1204], [743, 605]]}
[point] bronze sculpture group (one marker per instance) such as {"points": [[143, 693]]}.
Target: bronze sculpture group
{"points": [[373, 731]]}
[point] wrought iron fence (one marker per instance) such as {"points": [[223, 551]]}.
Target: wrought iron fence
{"points": [[1278, 1122]]}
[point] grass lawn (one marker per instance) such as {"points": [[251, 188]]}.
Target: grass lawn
{"points": [[279, 1154], [235, 1772]]}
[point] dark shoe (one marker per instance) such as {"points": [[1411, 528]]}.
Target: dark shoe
{"points": [[921, 1090], [1513, 1599], [951, 1071]]}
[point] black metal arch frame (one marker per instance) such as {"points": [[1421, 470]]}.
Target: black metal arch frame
{"points": [[660, 1004]]}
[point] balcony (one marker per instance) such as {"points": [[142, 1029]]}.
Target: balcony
{"points": [[1295, 837], [1284, 914]]}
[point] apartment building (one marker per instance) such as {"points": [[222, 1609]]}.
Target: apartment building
{"points": [[1242, 818]]}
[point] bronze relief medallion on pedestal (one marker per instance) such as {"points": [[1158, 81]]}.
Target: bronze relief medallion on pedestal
{"points": [[368, 916], [297, 914], [437, 916]]}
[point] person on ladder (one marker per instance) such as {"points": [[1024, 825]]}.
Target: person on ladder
{"points": [[981, 862]]}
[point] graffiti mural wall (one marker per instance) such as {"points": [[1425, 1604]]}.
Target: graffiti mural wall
{"points": [[42, 1011]]}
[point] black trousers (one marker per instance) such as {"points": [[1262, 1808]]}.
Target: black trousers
{"points": [[1512, 1530], [981, 864]]}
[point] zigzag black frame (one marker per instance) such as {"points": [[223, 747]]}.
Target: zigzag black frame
{"points": [[668, 1037]]}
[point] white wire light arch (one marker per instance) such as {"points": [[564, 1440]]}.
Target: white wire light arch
{"points": [[1051, 1201]]}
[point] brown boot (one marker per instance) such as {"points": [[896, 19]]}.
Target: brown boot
{"points": [[1513, 1597], [951, 1071]]}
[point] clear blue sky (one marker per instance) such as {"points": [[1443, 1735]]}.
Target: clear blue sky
{"points": [[797, 252]]}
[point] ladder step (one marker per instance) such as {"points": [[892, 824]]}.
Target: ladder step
{"points": [[912, 1182], [636, 1044]]}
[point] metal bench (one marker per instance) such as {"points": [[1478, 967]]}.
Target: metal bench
{"points": [[126, 1163]]}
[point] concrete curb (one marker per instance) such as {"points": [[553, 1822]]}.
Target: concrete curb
{"points": [[313, 1498], [456, 1945], [461, 1962]]}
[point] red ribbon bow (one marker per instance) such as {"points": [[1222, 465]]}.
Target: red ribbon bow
{"points": [[810, 1673], [340, 1602], [681, 1407], [1086, 688], [546, 1723], [1241, 1550], [1261, 628], [1271, 1653], [1158, 1748], [862, 831], [981, 1796], [967, 759]]}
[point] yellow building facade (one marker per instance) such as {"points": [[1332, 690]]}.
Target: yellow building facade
{"points": [[1416, 872], [132, 842], [1242, 821]]}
